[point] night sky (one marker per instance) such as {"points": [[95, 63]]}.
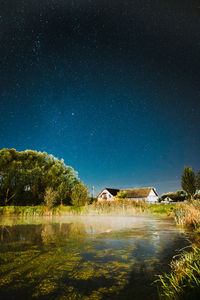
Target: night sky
{"points": [[111, 86]]}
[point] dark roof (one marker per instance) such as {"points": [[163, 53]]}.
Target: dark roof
{"points": [[139, 193], [112, 191]]}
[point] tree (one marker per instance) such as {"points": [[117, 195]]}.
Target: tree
{"points": [[64, 193], [189, 182], [198, 181], [50, 197], [121, 195], [178, 196], [80, 195], [25, 175]]}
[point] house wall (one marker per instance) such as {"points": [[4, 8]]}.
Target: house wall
{"points": [[152, 198], [105, 196]]}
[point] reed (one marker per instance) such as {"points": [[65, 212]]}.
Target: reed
{"points": [[119, 208], [188, 214]]}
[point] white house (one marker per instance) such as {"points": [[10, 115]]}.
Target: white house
{"points": [[107, 194], [148, 194]]}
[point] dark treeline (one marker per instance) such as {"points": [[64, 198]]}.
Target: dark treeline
{"points": [[33, 178]]}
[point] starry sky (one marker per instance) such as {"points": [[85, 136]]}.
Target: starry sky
{"points": [[113, 87]]}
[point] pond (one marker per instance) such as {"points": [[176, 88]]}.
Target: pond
{"points": [[85, 257]]}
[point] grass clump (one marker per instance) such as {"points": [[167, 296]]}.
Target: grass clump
{"points": [[184, 280], [118, 207]]}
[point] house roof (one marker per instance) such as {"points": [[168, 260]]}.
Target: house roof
{"points": [[112, 191], [139, 193]]}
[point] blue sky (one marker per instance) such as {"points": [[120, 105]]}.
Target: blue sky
{"points": [[113, 88]]}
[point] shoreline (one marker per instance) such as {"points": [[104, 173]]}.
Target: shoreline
{"points": [[161, 210]]}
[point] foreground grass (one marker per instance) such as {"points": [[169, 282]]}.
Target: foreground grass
{"points": [[119, 208], [184, 280]]}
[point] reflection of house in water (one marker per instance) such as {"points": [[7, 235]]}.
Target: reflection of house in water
{"points": [[148, 194]]}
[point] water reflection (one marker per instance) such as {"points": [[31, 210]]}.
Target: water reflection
{"points": [[85, 257]]}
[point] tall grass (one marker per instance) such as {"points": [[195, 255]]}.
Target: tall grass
{"points": [[184, 280], [40, 210], [188, 214], [119, 208], [128, 208]]}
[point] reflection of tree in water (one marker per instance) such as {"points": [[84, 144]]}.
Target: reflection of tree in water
{"points": [[54, 233], [48, 234], [21, 234], [3, 231]]}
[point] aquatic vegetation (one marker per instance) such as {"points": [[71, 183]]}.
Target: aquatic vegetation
{"points": [[58, 266], [46, 272], [56, 260]]}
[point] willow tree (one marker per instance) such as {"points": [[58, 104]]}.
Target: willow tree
{"points": [[25, 175]]}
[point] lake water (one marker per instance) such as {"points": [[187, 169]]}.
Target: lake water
{"points": [[85, 257]]}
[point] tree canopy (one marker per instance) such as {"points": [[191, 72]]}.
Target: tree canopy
{"points": [[25, 176], [178, 196]]}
